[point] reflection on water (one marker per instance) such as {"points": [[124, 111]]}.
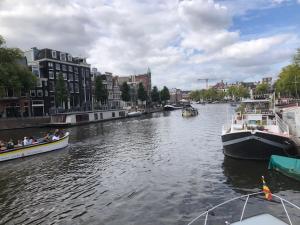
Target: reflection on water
{"points": [[156, 169]]}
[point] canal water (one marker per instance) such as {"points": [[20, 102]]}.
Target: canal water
{"points": [[156, 169]]}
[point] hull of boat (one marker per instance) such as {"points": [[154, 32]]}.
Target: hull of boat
{"points": [[256, 145], [133, 114], [287, 166], [35, 149]]}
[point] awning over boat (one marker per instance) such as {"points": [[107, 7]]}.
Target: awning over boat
{"points": [[287, 166]]}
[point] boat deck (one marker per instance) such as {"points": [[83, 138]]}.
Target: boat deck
{"points": [[263, 219]]}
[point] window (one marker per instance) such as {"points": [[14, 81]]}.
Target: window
{"points": [[57, 66], [76, 69], [71, 88], [71, 77], [63, 56], [87, 73], [32, 93], [39, 93], [76, 88], [64, 67], [51, 75], [76, 77], [46, 93], [113, 114], [50, 64], [51, 86], [70, 68], [54, 54], [69, 58], [65, 76]]}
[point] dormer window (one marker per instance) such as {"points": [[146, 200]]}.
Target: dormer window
{"points": [[63, 56], [69, 58], [54, 54]]}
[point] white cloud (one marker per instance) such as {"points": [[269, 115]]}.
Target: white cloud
{"points": [[178, 40]]}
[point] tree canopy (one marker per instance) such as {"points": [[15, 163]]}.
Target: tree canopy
{"points": [[289, 81], [155, 94], [141, 93], [262, 88], [125, 92], [164, 94], [61, 92], [101, 93], [13, 74]]}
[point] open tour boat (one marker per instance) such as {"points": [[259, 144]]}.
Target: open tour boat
{"points": [[34, 149]]}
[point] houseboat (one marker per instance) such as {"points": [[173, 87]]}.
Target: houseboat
{"points": [[78, 118], [257, 132]]}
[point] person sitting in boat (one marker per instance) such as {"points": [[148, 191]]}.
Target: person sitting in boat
{"points": [[2, 145], [55, 137], [10, 144], [25, 141], [20, 143], [47, 138], [30, 140]]}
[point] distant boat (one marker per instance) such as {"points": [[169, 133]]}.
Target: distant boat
{"points": [[28, 150], [189, 111], [134, 114], [286, 165], [171, 107]]}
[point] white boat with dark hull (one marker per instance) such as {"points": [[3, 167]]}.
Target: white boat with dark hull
{"points": [[189, 111], [134, 114], [256, 132], [171, 107], [34, 149]]}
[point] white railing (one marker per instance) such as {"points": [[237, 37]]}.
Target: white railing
{"points": [[206, 213], [284, 128]]}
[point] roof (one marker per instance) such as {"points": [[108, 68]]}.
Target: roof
{"points": [[255, 100]]}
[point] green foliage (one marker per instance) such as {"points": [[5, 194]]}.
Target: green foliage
{"points": [[237, 91], [141, 93], [210, 94], [164, 94], [101, 93], [155, 94], [61, 92], [125, 89], [262, 88], [289, 80], [12, 74]]}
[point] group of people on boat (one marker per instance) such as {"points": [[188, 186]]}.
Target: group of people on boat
{"points": [[51, 136]]}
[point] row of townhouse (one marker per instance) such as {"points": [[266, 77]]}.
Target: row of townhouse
{"points": [[47, 64]]}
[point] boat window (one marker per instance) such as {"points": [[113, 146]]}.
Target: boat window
{"points": [[96, 116], [113, 114]]}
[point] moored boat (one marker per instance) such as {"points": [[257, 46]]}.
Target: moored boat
{"points": [[189, 111], [171, 107], [256, 132], [134, 114], [34, 149], [286, 165]]}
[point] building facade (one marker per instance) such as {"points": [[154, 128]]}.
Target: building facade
{"points": [[48, 65]]}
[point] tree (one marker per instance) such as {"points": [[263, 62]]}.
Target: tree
{"points": [[142, 94], [101, 93], [262, 88], [125, 89], [296, 58], [164, 94], [61, 92], [155, 94], [289, 81], [14, 75]]}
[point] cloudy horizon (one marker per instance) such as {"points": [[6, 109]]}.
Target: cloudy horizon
{"points": [[181, 41]]}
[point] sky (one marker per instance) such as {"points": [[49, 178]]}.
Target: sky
{"points": [[179, 40]]}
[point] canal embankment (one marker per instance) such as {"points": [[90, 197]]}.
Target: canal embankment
{"points": [[23, 122]]}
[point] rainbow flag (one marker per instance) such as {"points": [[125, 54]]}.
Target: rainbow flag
{"points": [[266, 190]]}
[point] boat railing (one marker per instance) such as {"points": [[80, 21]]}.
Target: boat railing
{"points": [[282, 201], [284, 128]]}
